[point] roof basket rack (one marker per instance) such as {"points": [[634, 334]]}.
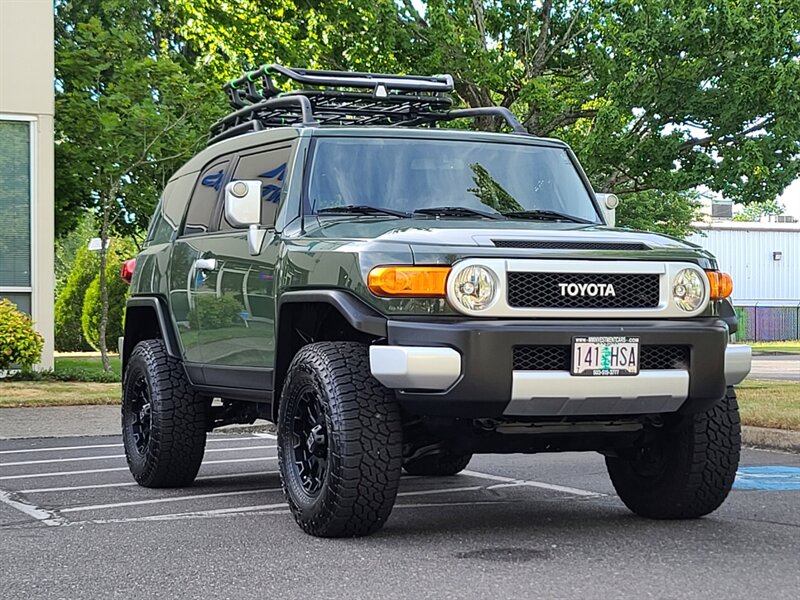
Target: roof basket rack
{"points": [[341, 98]]}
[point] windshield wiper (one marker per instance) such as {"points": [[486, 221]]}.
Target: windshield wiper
{"points": [[456, 211], [547, 215], [362, 209]]}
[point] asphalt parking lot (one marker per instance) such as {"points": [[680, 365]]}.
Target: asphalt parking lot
{"points": [[73, 525]]}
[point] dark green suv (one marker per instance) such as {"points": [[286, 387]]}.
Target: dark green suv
{"points": [[394, 294]]}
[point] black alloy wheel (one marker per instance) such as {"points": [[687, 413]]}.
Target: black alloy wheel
{"points": [[310, 442]]}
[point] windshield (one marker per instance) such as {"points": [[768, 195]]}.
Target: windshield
{"points": [[411, 174]]}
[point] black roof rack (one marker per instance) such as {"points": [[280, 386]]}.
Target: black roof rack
{"points": [[344, 99]]}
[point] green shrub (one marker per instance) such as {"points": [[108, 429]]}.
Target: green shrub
{"points": [[215, 312], [68, 374], [118, 252], [69, 304], [20, 344]]}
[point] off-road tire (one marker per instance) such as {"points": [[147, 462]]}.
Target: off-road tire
{"points": [[363, 441], [173, 451], [699, 456], [437, 465]]}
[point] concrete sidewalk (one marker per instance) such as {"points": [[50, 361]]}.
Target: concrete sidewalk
{"points": [[59, 421], [69, 421], [785, 367]]}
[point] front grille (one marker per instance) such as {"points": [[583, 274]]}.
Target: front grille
{"points": [[664, 357], [569, 245], [541, 358], [544, 290], [557, 358]]}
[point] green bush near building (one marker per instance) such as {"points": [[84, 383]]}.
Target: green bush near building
{"points": [[78, 306], [20, 345]]}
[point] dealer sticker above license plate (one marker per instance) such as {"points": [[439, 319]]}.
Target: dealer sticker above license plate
{"points": [[605, 356]]}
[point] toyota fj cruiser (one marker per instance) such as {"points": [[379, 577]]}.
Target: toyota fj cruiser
{"points": [[396, 295]]}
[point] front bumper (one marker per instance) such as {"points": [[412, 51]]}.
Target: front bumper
{"points": [[465, 368]]}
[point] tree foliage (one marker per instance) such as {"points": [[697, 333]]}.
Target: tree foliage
{"points": [[91, 310], [657, 98], [69, 302], [754, 212]]}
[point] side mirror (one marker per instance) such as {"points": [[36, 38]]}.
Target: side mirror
{"points": [[243, 209], [243, 203], [608, 204]]}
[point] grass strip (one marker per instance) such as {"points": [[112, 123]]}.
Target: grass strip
{"points": [[30, 394], [765, 403]]}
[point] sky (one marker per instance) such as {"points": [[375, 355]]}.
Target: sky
{"points": [[791, 199]]}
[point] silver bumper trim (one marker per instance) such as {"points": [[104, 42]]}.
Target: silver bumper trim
{"points": [[553, 393], [415, 367], [738, 360]]}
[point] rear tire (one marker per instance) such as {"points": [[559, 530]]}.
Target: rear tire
{"points": [[437, 465], [688, 467], [339, 442], [163, 419]]}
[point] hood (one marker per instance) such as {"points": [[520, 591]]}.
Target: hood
{"points": [[496, 238]]}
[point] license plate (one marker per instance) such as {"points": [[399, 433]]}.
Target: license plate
{"points": [[605, 356]]}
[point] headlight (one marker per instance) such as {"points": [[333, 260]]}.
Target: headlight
{"points": [[688, 290], [475, 288]]}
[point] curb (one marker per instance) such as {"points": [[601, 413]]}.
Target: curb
{"points": [[236, 429], [771, 439]]}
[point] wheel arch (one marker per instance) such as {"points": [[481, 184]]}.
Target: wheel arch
{"points": [[319, 316], [146, 317]]}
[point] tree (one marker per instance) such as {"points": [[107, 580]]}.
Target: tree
{"points": [[657, 98], [69, 303], [123, 103], [754, 212]]}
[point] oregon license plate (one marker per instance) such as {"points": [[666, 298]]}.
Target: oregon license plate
{"points": [[605, 356]]}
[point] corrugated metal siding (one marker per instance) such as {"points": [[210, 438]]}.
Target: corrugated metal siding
{"points": [[747, 256]]}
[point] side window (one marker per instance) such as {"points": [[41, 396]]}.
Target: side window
{"points": [[269, 166], [204, 199], [169, 211]]}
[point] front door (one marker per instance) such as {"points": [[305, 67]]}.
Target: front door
{"points": [[229, 295]]}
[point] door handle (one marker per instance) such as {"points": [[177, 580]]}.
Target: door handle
{"points": [[205, 264]]}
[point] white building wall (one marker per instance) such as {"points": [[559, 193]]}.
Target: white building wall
{"points": [[746, 251], [26, 96]]}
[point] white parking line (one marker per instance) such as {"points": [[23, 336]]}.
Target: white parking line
{"points": [[264, 509], [165, 500], [219, 512], [120, 456], [241, 493], [75, 488], [40, 514], [511, 482], [66, 448], [473, 488], [89, 471]]}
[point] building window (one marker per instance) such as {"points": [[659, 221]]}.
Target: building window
{"points": [[15, 212]]}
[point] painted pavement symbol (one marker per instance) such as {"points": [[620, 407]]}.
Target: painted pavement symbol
{"points": [[772, 478]]}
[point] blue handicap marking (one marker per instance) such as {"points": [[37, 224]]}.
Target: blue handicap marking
{"points": [[774, 478]]}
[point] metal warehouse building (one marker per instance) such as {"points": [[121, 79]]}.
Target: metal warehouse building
{"points": [[764, 260]]}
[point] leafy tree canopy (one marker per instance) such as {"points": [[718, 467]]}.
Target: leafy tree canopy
{"points": [[128, 110], [657, 97]]}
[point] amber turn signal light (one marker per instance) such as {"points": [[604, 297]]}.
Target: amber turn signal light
{"points": [[409, 282], [720, 284]]}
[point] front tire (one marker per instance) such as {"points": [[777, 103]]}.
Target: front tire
{"points": [[163, 419], [339, 442], [688, 467]]}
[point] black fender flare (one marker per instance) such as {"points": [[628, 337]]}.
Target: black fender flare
{"points": [[139, 327], [358, 313]]}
